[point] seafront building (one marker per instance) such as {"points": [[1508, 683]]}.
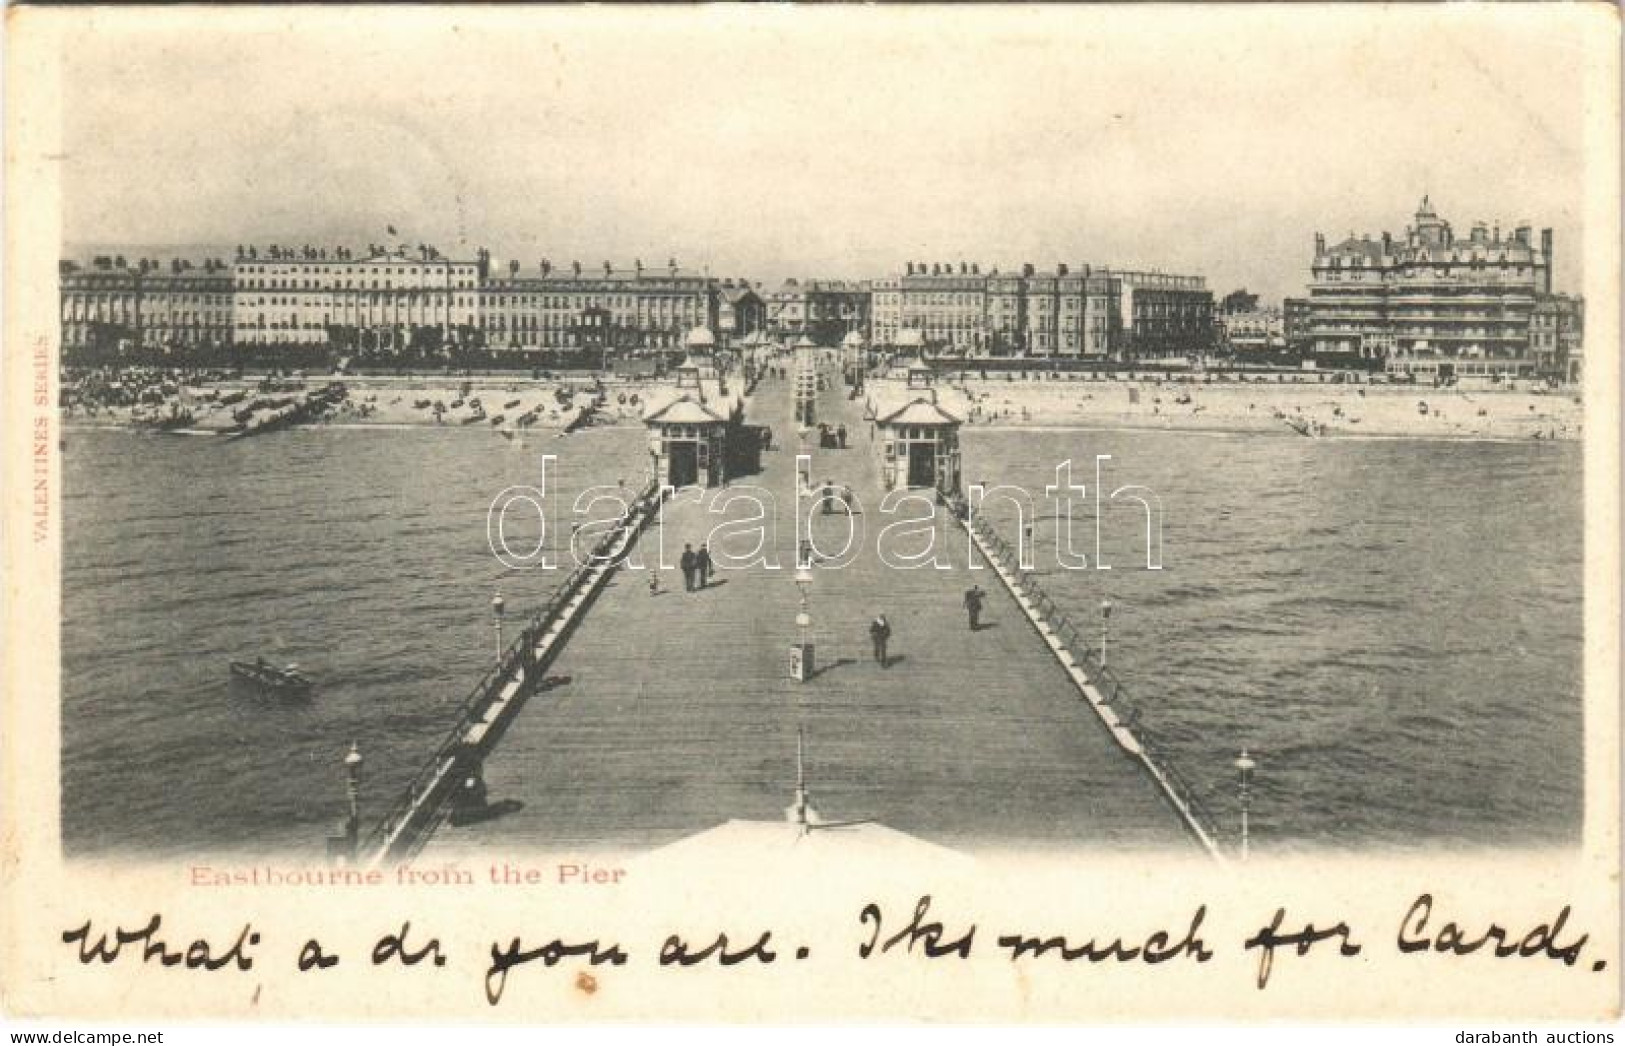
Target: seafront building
{"points": [[961, 310], [741, 311], [146, 303], [386, 300], [1556, 329], [1252, 330], [597, 308], [1163, 316], [823, 310], [1434, 304], [396, 300]]}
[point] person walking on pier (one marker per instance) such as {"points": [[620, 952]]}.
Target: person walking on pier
{"points": [[840, 437], [702, 565], [688, 562], [973, 605], [880, 635]]}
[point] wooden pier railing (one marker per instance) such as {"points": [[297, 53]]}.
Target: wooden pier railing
{"points": [[483, 714], [1099, 686]]}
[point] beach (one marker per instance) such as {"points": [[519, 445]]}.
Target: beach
{"points": [[1319, 410], [394, 402]]}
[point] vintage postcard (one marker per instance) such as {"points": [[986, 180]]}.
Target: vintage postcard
{"points": [[986, 514]]}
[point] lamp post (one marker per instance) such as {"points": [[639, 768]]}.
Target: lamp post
{"points": [[801, 658], [352, 789], [1105, 617], [1244, 771], [496, 616]]}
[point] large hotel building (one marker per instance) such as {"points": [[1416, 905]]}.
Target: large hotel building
{"points": [[146, 303], [1433, 304], [604, 308], [304, 296], [1085, 314]]}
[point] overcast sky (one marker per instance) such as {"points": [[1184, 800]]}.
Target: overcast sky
{"points": [[790, 141]]}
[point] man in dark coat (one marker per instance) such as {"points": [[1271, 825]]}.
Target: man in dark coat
{"points": [[880, 634], [973, 605], [702, 565], [688, 562]]}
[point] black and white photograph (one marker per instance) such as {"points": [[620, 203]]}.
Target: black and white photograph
{"points": [[496, 449]]}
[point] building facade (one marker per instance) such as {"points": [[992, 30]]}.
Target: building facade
{"points": [[740, 310], [1557, 336], [387, 300], [1295, 323], [1432, 297], [1162, 316], [965, 312], [112, 304], [603, 308], [1255, 330]]}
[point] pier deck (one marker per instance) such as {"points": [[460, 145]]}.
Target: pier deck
{"points": [[679, 714]]}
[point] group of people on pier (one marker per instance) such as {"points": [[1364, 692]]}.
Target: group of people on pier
{"points": [[696, 566]]}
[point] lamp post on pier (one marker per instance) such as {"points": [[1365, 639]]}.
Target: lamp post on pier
{"points": [[1105, 618], [1244, 770], [496, 616], [801, 655], [352, 789]]}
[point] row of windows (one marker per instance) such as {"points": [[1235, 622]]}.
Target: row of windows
{"points": [[342, 268], [349, 284]]}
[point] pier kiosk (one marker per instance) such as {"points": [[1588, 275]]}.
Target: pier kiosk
{"points": [[919, 440], [688, 438], [688, 442]]}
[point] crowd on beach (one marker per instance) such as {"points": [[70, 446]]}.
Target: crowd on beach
{"points": [[1318, 410], [1281, 404]]}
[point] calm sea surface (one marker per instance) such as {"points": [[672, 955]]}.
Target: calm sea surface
{"points": [[1392, 627]]}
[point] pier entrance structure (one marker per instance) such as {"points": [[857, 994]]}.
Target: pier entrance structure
{"points": [[919, 445], [688, 437], [688, 442]]}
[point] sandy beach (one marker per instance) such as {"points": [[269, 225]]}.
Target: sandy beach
{"points": [[1321, 410], [395, 402]]}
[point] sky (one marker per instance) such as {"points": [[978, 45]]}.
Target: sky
{"points": [[827, 142]]}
